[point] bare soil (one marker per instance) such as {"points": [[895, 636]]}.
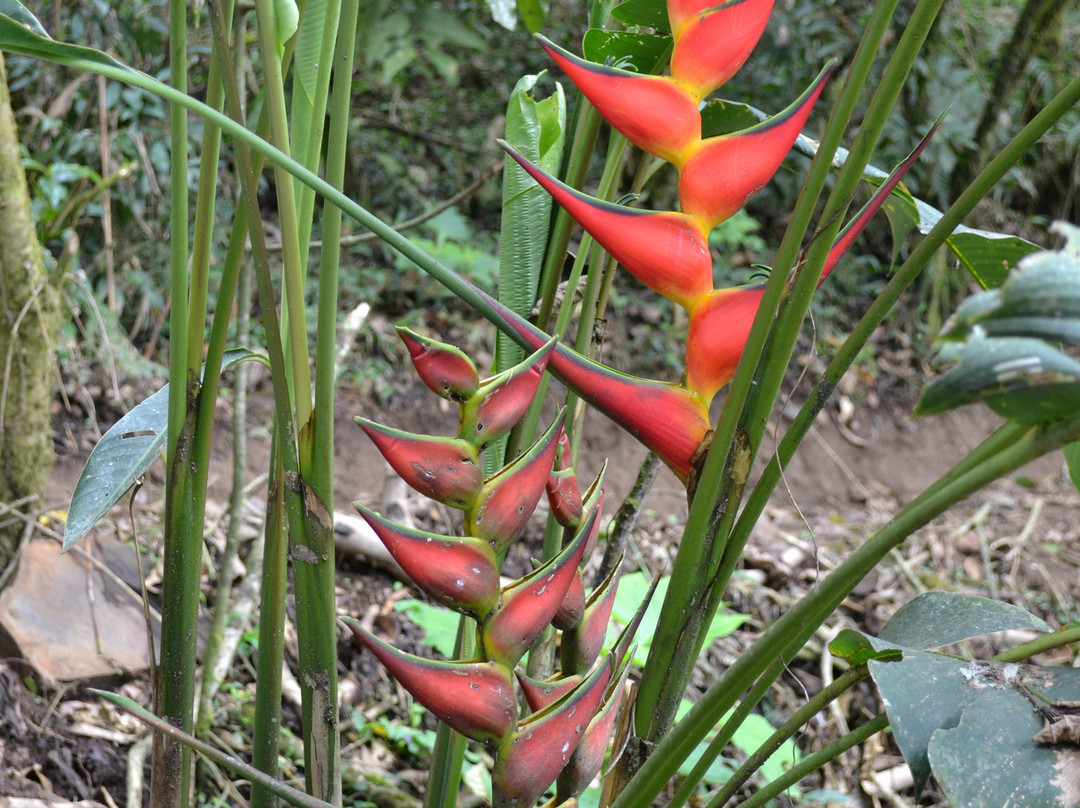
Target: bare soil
{"points": [[1018, 540]]}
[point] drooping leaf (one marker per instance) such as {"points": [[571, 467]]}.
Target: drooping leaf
{"points": [[122, 456], [936, 619]]}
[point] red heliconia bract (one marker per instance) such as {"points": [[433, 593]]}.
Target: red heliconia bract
{"points": [[564, 495], [721, 173], [655, 113], [509, 497], [531, 758], [579, 649], [711, 46], [444, 469], [501, 401], [669, 419], [475, 698], [572, 607], [539, 694], [719, 325], [666, 251], [588, 758], [459, 572], [443, 368], [528, 604]]}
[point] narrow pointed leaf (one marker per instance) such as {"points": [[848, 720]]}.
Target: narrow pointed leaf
{"points": [[529, 604], [444, 469], [853, 228], [532, 757], [458, 572], [719, 326], [446, 370], [653, 112], [508, 499], [474, 698], [720, 174], [666, 251], [581, 647], [539, 694], [711, 46], [501, 401]]}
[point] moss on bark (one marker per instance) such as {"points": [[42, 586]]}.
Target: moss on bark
{"points": [[29, 323]]}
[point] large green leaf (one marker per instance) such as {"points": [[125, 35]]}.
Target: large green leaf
{"points": [[122, 456], [936, 619], [644, 14], [1009, 355], [972, 723]]}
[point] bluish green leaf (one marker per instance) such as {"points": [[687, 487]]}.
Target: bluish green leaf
{"points": [[935, 619], [122, 456]]}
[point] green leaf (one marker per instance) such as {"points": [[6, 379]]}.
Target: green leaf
{"points": [[122, 456], [644, 14], [439, 625], [286, 21], [1020, 378], [19, 13], [533, 13], [641, 53], [930, 697], [722, 117], [857, 649], [1072, 460], [936, 619]]}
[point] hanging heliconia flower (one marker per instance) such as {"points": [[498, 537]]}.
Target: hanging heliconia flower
{"points": [[477, 697], [668, 251]]}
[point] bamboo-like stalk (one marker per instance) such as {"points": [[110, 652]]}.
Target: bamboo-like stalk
{"points": [[170, 784]]}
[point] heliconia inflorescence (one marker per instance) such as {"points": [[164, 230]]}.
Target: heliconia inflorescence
{"points": [[477, 697], [564, 736], [668, 251]]}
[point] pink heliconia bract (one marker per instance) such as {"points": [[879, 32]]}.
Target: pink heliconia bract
{"points": [[475, 698], [501, 401], [579, 649], [564, 495], [444, 469], [531, 758], [539, 694], [665, 250], [721, 173], [655, 113], [529, 604], [443, 368], [572, 607], [588, 758], [594, 501], [509, 497], [711, 45], [459, 572]]}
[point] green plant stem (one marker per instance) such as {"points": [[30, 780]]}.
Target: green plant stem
{"points": [[1040, 645], [883, 304], [293, 309], [815, 607], [818, 702], [811, 763], [182, 554]]}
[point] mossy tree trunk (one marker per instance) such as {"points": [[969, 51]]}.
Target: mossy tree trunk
{"points": [[29, 320]]}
